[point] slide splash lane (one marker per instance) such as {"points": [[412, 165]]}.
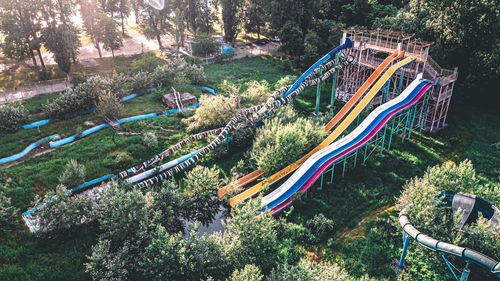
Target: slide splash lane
{"points": [[315, 165]]}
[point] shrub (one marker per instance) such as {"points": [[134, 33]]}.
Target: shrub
{"points": [[213, 112], [205, 45], [256, 93], [195, 74], [12, 116], [320, 226], [139, 82], [285, 81], [279, 143], [147, 62], [73, 175], [249, 273], [150, 140], [163, 75], [109, 105], [308, 270], [202, 181], [7, 214]]}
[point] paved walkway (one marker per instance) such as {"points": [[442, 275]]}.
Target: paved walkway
{"points": [[28, 92]]}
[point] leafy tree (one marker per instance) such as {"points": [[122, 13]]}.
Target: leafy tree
{"points": [[7, 214], [321, 226], [205, 45], [63, 42], [200, 186], [420, 198], [112, 39], [179, 28], [308, 270], [12, 116], [291, 39], [92, 17], [231, 16], [139, 82], [155, 23], [302, 13], [255, 16], [167, 203], [256, 93], [359, 12], [201, 16], [249, 273], [21, 25], [252, 238], [147, 62], [124, 11], [280, 143], [213, 112], [73, 175], [109, 105]]}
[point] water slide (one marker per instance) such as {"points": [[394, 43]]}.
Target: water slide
{"points": [[343, 111], [313, 167], [337, 132], [471, 206]]}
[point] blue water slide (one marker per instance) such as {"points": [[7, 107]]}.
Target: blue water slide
{"points": [[27, 149], [347, 44]]}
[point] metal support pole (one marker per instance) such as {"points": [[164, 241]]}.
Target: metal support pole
{"points": [[343, 169], [424, 115], [364, 156], [412, 120], [383, 140], [449, 266], [334, 82], [333, 170], [401, 81], [321, 183], [406, 125], [406, 241], [318, 90], [465, 273], [390, 137], [355, 158]]}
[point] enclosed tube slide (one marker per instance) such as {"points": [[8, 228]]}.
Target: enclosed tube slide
{"points": [[471, 206], [306, 175]]}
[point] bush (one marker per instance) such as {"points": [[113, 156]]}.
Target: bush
{"points": [[205, 45], [163, 75], [147, 62], [201, 182], [249, 273], [214, 112], [256, 93], [86, 95], [7, 214], [139, 82], [280, 143], [308, 270], [12, 116], [321, 226], [73, 175], [109, 106], [150, 140]]}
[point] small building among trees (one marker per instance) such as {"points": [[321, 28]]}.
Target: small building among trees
{"points": [[177, 100]]}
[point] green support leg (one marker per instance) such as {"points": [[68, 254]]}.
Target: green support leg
{"points": [[406, 125], [343, 169], [412, 120], [321, 183], [425, 111], [401, 81], [383, 141], [333, 170], [334, 83], [355, 158], [390, 137], [318, 91], [364, 156]]}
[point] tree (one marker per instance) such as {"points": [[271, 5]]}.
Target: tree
{"points": [[167, 203], [201, 15], [205, 46], [231, 16], [359, 12], [20, 24], [179, 28], [73, 175], [124, 12], [200, 185], [7, 214], [109, 105], [92, 18], [291, 40], [63, 42], [255, 16], [112, 40], [308, 270], [422, 201], [12, 116], [249, 273], [155, 23]]}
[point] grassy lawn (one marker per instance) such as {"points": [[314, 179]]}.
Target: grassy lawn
{"points": [[364, 191]]}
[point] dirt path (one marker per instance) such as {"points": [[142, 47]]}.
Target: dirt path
{"points": [[358, 229]]}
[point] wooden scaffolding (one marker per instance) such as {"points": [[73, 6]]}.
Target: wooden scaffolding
{"points": [[373, 46]]}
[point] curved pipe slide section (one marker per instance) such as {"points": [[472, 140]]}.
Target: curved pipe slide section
{"points": [[305, 176], [28, 149], [446, 248]]}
